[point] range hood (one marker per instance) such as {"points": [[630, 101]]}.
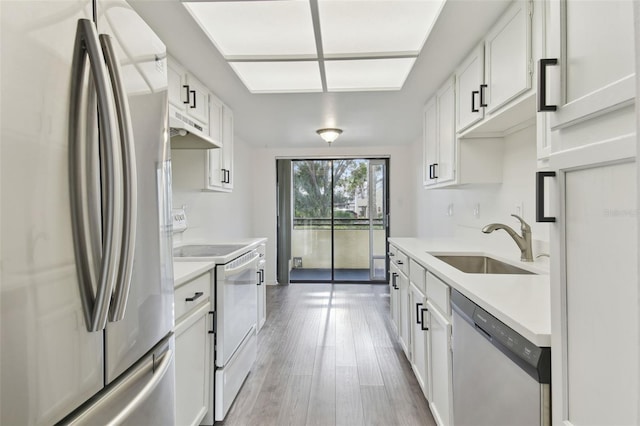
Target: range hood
{"points": [[186, 134]]}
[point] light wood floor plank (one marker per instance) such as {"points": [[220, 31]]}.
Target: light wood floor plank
{"points": [[295, 401], [327, 355], [322, 400], [377, 406], [349, 410]]}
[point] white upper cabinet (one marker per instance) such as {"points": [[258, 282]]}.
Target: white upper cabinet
{"points": [[469, 86], [197, 101], [440, 136], [219, 165], [591, 67], [444, 169], [176, 74], [494, 83], [430, 141], [508, 62], [449, 160], [188, 95]]}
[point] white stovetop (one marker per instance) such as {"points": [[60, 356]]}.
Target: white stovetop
{"points": [[520, 301], [187, 268]]}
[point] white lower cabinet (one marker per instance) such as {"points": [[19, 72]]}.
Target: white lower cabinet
{"points": [[193, 324], [262, 289], [404, 314], [595, 297], [441, 365], [394, 298], [419, 339], [421, 317]]}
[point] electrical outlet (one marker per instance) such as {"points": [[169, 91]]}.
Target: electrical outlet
{"points": [[476, 210], [519, 208]]}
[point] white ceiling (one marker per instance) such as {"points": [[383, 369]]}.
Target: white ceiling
{"points": [[291, 119], [337, 39]]}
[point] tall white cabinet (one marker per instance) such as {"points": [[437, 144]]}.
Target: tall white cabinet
{"points": [[590, 120]]}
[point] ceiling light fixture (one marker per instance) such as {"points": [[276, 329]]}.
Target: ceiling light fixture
{"points": [[329, 135]]}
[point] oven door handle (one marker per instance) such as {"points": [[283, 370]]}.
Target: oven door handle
{"points": [[247, 265]]}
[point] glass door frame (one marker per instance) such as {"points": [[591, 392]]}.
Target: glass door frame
{"points": [[373, 160]]}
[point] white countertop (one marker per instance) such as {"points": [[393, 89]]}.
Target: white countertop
{"points": [[520, 301], [246, 243], [187, 268], [186, 271]]}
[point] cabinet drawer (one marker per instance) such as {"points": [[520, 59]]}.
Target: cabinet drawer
{"points": [[401, 261], [438, 293], [202, 284], [417, 275]]}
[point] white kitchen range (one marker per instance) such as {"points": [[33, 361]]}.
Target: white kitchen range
{"points": [[319, 212], [233, 275]]}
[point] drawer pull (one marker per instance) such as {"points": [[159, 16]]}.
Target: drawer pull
{"points": [[422, 323], [418, 316], [197, 295], [542, 84], [482, 100], [473, 101], [399, 262]]}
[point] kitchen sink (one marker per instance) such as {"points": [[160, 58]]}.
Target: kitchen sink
{"points": [[481, 265]]}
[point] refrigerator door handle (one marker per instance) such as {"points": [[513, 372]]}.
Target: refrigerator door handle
{"points": [[95, 304], [158, 371], [130, 182]]}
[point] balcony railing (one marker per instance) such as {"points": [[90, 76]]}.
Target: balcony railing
{"points": [[338, 223]]}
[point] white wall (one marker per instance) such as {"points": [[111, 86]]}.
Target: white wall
{"points": [[213, 216], [497, 201], [401, 191]]}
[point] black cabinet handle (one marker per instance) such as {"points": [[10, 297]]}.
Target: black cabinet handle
{"points": [[473, 101], [226, 176], [542, 84], [259, 278], [430, 171], [394, 277], [435, 176], [540, 217], [391, 254], [422, 311], [193, 92], [482, 100], [186, 87], [418, 316], [213, 322], [197, 295], [399, 262]]}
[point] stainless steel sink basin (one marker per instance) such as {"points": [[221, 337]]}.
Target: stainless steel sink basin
{"points": [[482, 265]]}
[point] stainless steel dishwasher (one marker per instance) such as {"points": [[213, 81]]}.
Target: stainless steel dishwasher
{"points": [[499, 377]]}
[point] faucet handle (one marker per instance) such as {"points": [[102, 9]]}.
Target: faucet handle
{"points": [[524, 226]]}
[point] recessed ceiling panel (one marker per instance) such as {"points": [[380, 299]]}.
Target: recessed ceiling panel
{"points": [[279, 77], [376, 28], [257, 29], [367, 74]]}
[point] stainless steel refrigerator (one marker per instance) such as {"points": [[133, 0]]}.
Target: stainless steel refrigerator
{"points": [[86, 290]]}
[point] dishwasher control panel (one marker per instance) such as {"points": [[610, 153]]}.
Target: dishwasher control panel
{"points": [[533, 359]]}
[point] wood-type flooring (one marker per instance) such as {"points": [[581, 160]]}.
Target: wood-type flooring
{"points": [[327, 356]]}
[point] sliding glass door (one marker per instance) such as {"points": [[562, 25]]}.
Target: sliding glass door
{"points": [[339, 227]]}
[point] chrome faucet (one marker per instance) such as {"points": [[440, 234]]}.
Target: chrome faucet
{"points": [[523, 242]]}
